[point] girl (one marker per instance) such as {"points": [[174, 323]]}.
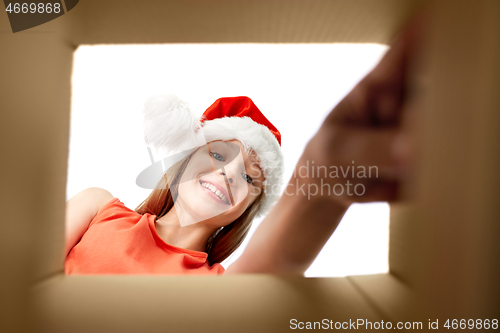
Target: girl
{"points": [[201, 209]]}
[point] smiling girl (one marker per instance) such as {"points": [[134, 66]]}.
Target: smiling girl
{"points": [[201, 209]]}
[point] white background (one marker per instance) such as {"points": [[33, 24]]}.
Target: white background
{"points": [[295, 86]]}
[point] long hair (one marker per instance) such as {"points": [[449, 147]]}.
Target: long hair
{"points": [[225, 240]]}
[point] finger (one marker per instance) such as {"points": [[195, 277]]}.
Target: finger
{"points": [[351, 110], [348, 192], [378, 99], [377, 190], [368, 152], [369, 105], [393, 65]]}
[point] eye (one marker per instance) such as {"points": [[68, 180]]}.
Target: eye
{"points": [[247, 178], [217, 156]]}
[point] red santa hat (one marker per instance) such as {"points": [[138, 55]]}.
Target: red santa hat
{"points": [[171, 126]]}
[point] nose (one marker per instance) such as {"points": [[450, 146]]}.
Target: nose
{"points": [[229, 179], [230, 171], [230, 182]]}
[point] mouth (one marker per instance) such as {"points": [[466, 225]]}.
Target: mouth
{"points": [[215, 191]]}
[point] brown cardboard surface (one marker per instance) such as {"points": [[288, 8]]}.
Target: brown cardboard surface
{"points": [[35, 98], [244, 303], [392, 298], [229, 21], [461, 192], [443, 244]]}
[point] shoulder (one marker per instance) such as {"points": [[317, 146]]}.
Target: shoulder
{"points": [[81, 210], [96, 193], [93, 196]]}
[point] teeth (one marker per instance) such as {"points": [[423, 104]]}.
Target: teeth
{"points": [[214, 190]]}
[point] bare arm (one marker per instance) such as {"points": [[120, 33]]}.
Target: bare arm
{"points": [[80, 211], [361, 131], [290, 237]]}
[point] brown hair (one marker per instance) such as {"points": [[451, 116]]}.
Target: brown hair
{"points": [[225, 240]]}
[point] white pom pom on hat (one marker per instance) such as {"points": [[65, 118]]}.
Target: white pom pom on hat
{"points": [[170, 125]]}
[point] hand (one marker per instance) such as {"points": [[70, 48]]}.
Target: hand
{"points": [[367, 127], [364, 142]]}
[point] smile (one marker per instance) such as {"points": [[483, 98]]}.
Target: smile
{"points": [[215, 191]]}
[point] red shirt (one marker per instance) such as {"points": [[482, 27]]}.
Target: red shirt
{"points": [[121, 241]]}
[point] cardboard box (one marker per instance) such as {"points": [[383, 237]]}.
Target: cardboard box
{"points": [[444, 256]]}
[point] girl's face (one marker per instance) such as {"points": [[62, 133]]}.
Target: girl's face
{"points": [[219, 183]]}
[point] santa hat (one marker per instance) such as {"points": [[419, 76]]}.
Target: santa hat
{"points": [[171, 126]]}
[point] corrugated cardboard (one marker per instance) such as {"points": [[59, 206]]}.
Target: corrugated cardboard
{"points": [[444, 257]]}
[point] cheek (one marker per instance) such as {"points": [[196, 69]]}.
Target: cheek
{"points": [[186, 189], [254, 191], [198, 165], [241, 191], [245, 194], [252, 195]]}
